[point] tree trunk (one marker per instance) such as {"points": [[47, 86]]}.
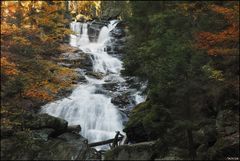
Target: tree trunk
{"points": [[192, 152]]}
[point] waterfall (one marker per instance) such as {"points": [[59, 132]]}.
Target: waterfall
{"points": [[84, 36], [98, 117], [103, 34]]}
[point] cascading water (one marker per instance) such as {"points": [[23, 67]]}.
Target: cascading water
{"points": [[98, 117]]}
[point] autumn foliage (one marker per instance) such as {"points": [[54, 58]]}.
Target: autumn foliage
{"points": [[225, 42], [31, 32]]}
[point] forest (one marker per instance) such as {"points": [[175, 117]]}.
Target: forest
{"points": [[162, 74]]}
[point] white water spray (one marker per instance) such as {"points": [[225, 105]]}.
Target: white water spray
{"points": [[98, 117]]}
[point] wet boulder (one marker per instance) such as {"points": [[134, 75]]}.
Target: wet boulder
{"points": [[80, 78], [94, 29], [110, 86], [76, 60], [123, 100], [96, 75], [118, 33], [99, 90], [80, 75], [133, 82]]}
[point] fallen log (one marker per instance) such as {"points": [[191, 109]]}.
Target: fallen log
{"points": [[105, 142]]}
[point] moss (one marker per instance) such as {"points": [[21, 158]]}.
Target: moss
{"points": [[153, 120], [138, 113]]}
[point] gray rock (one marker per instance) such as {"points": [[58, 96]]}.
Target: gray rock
{"points": [[40, 121], [92, 154], [227, 146], [123, 100], [140, 151], [81, 78], [110, 86], [17, 147], [43, 134], [118, 33], [176, 154], [227, 122], [68, 146], [76, 60], [95, 75]]}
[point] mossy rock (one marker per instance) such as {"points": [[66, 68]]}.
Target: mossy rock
{"points": [[45, 121], [25, 146], [140, 151], [134, 128], [147, 122]]}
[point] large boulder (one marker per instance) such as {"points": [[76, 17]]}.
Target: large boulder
{"points": [[45, 137], [135, 128], [227, 143], [43, 134], [68, 146], [227, 122], [140, 151], [110, 86], [123, 100], [25, 146], [40, 121], [147, 122], [175, 154], [117, 33]]}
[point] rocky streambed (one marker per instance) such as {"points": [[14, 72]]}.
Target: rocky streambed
{"points": [[58, 138]]}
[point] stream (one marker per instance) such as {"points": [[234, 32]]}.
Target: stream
{"points": [[93, 110]]}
